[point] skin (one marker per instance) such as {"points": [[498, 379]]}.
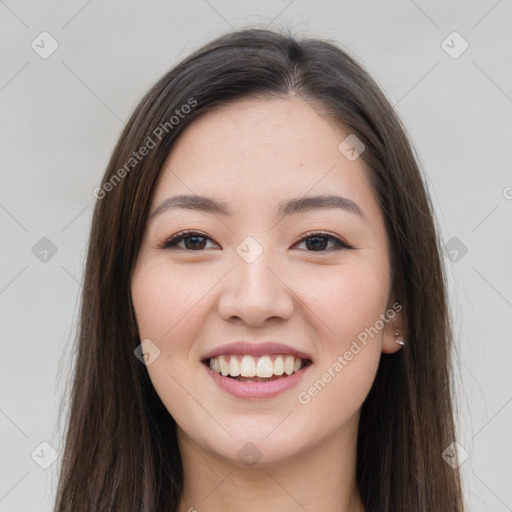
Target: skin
{"points": [[252, 154]]}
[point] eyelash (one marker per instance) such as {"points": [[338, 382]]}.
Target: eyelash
{"points": [[171, 243]]}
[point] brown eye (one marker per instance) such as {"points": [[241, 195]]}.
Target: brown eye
{"points": [[318, 242], [191, 241]]}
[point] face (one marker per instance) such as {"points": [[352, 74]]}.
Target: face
{"points": [[265, 277]]}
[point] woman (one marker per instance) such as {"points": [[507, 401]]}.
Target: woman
{"points": [[264, 322]]}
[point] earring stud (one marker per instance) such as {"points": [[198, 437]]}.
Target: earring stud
{"points": [[400, 342]]}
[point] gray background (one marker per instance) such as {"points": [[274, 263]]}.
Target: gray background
{"points": [[61, 116]]}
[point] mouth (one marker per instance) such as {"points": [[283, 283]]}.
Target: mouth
{"points": [[264, 368], [251, 371]]}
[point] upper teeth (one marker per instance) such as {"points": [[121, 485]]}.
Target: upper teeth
{"points": [[248, 366]]}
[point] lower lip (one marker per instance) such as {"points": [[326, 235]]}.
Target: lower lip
{"points": [[255, 390]]}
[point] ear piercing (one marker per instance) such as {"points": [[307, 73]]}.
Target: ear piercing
{"points": [[400, 342]]}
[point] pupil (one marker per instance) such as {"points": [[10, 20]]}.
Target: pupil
{"points": [[195, 245], [315, 245]]}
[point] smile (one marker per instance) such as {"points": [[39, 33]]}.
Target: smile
{"points": [[256, 370], [246, 368], [256, 388]]}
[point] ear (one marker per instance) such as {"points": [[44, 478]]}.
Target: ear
{"points": [[394, 325]]}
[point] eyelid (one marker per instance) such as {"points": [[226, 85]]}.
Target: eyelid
{"points": [[337, 239], [171, 243]]}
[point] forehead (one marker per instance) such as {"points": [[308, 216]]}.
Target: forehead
{"points": [[288, 128], [263, 150]]}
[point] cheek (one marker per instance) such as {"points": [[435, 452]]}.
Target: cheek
{"points": [[349, 308], [167, 300], [346, 301], [167, 304]]}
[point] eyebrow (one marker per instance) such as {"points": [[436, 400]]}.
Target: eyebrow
{"points": [[285, 208]]}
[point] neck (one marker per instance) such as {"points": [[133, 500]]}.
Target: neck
{"points": [[321, 478]]}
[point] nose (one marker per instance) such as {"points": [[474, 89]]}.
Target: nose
{"points": [[255, 292]]}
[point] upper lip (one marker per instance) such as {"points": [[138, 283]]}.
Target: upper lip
{"points": [[262, 348]]}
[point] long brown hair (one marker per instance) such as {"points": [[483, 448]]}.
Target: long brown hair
{"points": [[121, 451]]}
